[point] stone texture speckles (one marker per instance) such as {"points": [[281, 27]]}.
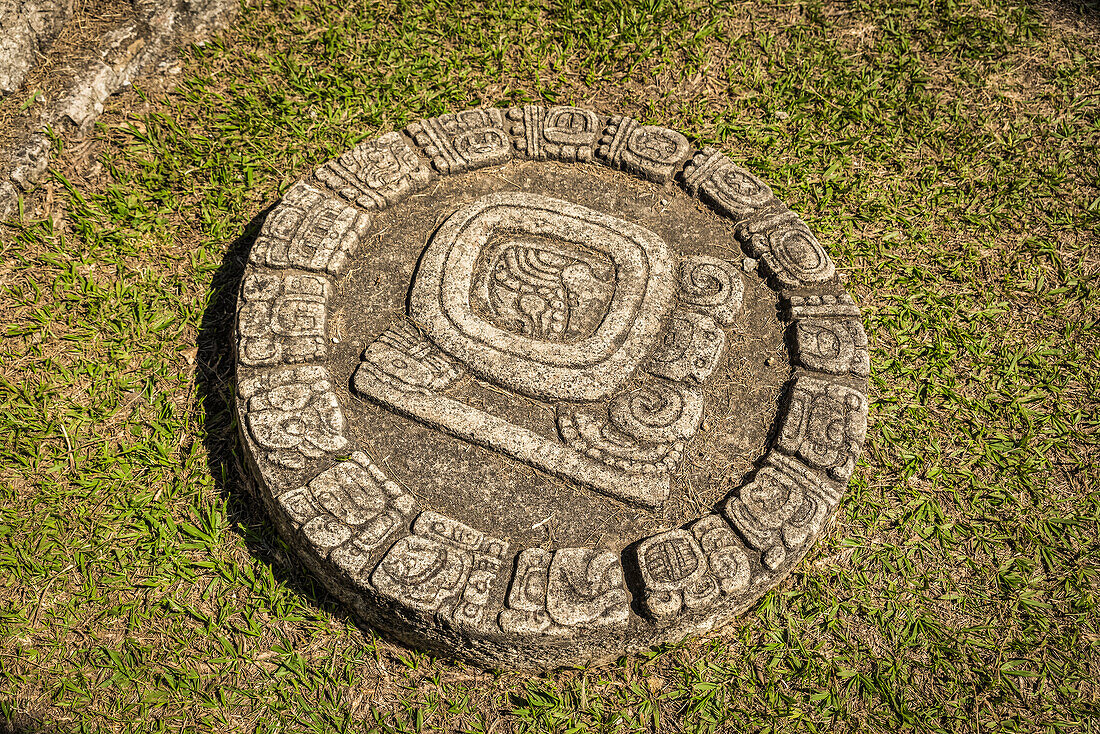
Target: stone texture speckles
{"points": [[692, 348], [78, 55], [377, 173], [475, 425], [444, 567], [687, 570], [640, 432], [282, 318], [828, 335], [712, 286], [783, 507], [464, 141], [360, 495], [519, 426], [29, 28], [654, 153]]}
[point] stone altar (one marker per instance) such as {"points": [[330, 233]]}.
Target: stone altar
{"points": [[539, 386]]}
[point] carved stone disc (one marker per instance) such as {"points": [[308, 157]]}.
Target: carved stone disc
{"points": [[539, 387]]}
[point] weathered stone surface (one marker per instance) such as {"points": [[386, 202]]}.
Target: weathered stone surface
{"points": [[377, 173], [394, 390], [711, 286], [282, 318], [565, 592], [358, 495], [760, 508], [444, 567], [687, 570], [401, 360], [562, 370], [310, 231], [782, 508], [655, 153], [29, 28], [674, 574], [641, 432], [548, 298], [691, 349]]}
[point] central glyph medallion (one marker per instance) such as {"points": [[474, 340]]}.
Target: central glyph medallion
{"points": [[567, 305], [538, 387]]}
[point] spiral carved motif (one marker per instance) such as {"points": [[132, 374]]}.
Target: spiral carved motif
{"points": [[659, 411], [712, 284]]}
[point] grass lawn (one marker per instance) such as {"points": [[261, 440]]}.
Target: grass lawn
{"points": [[947, 153]]}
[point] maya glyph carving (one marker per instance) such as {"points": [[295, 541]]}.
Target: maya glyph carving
{"points": [[652, 152], [282, 318], [516, 389], [376, 173], [310, 231], [783, 506], [294, 415], [464, 141], [443, 567], [685, 570], [564, 592], [561, 303], [556, 133], [828, 335]]}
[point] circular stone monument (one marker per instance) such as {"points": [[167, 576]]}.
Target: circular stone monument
{"points": [[538, 387]]}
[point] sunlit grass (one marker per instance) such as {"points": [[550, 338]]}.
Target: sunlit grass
{"points": [[946, 153]]}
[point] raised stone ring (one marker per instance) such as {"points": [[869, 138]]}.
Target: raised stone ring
{"points": [[515, 394]]}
